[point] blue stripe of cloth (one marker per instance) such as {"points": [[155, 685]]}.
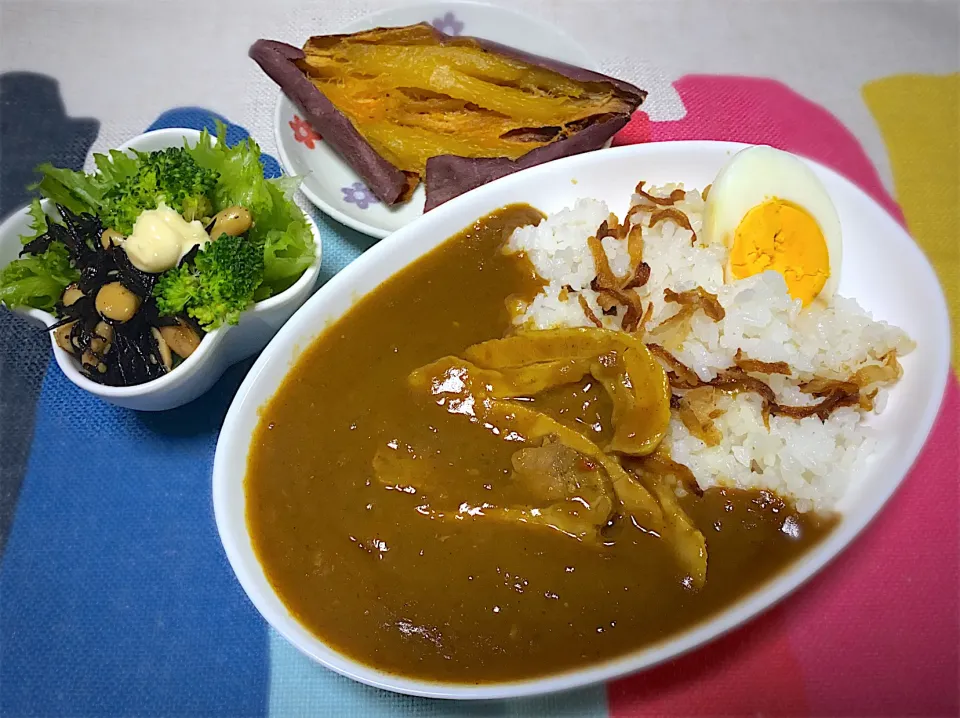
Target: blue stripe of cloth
{"points": [[117, 597]]}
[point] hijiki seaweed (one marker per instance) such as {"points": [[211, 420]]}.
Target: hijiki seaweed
{"points": [[117, 350]]}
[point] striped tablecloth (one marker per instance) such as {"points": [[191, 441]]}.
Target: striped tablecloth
{"points": [[116, 597]]}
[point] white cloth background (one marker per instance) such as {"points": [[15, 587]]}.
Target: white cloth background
{"points": [[126, 62]]}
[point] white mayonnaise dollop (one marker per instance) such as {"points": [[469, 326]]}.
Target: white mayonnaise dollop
{"points": [[160, 238]]}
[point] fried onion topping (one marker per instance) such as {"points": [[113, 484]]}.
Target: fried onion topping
{"points": [[698, 298]]}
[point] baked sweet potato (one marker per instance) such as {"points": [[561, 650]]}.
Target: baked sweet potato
{"points": [[407, 104]]}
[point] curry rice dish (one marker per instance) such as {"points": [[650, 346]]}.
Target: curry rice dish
{"points": [[498, 494]]}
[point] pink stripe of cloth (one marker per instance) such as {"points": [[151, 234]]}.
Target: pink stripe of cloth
{"points": [[877, 633]]}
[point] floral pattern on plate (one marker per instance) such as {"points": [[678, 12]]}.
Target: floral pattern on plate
{"points": [[303, 132], [359, 194], [448, 24]]}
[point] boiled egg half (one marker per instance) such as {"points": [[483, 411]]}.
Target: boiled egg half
{"points": [[772, 213]]}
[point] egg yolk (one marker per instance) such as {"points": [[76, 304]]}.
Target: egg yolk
{"points": [[780, 236]]}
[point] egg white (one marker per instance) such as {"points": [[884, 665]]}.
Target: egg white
{"points": [[757, 174]]}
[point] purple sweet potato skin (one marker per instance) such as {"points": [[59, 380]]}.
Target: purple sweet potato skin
{"points": [[447, 175], [571, 72], [277, 60], [450, 175]]}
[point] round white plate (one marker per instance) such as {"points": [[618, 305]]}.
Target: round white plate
{"points": [[330, 183], [883, 269]]}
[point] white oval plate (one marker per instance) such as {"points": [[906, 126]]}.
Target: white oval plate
{"points": [[218, 349], [330, 183], [883, 269]]}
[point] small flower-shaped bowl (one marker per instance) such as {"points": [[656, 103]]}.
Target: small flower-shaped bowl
{"points": [[218, 349], [329, 182]]}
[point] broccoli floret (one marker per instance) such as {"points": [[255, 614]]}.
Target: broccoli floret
{"points": [[171, 175], [219, 284]]}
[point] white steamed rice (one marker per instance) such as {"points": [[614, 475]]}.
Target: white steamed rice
{"points": [[808, 460]]}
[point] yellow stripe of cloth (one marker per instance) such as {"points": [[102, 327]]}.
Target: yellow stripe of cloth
{"points": [[919, 118]]}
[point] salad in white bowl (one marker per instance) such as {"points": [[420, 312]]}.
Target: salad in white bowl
{"points": [[135, 266]]}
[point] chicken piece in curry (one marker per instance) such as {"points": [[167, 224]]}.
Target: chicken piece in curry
{"points": [[438, 495]]}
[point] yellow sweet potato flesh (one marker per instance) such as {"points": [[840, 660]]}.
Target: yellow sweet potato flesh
{"points": [[413, 98]]}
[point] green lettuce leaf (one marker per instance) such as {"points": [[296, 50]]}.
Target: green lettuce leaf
{"points": [[77, 191], [81, 192], [116, 167], [37, 280], [278, 223], [38, 222]]}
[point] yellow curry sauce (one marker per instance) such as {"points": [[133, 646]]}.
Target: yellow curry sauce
{"points": [[363, 565]]}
